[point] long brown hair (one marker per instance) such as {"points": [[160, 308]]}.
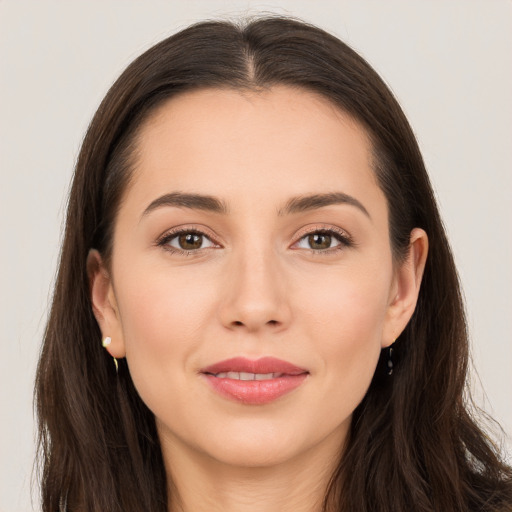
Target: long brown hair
{"points": [[413, 444]]}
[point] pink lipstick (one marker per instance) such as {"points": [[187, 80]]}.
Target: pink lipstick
{"points": [[254, 382]]}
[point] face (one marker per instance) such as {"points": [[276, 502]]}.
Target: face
{"points": [[253, 228]]}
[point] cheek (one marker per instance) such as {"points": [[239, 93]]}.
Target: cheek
{"points": [[352, 305], [345, 321], [163, 315], [162, 306]]}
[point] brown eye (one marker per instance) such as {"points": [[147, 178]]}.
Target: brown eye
{"points": [[324, 241], [319, 241], [190, 241], [187, 241]]}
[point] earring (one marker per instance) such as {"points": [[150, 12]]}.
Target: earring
{"points": [[106, 342], [390, 360]]}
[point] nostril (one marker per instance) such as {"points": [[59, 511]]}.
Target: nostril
{"points": [[270, 322]]}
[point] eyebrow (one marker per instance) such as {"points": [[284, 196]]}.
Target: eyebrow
{"points": [[314, 201], [193, 201], [213, 204]]}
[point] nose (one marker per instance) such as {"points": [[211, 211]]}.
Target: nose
{"points": [[254, 293]]}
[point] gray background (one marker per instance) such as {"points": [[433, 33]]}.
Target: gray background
{"points": [[448, 62]]}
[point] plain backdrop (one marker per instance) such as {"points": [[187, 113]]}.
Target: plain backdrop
{"points": [[448, 62]]}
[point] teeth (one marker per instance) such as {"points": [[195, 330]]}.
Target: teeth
{"points": [[265, 376], [247, 375]]}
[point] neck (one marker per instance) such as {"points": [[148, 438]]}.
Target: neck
{"points": [[198, 483]]}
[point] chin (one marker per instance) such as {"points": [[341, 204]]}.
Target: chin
{"points": [[255, 454]]}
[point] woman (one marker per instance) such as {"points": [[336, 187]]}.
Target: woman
{"points": [[253, 239]]}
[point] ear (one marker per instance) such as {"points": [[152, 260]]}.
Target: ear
{"points": [[104, 305], [406, 287]]}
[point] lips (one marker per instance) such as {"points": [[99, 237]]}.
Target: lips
{"points": [[262, 366], [254, 382]]}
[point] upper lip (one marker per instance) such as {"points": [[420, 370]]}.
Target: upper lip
{"points": [[263, 365]]}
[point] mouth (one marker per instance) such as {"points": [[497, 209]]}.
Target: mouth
{"points": [[254, 382], [247, 375]]}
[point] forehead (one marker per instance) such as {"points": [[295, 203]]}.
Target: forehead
{"points": [[251, 146]]}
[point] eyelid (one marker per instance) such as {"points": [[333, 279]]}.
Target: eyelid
{"points": [[340, 234], [168, 235]]}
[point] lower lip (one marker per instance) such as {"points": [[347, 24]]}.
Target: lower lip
{"points": [[256, 392]]}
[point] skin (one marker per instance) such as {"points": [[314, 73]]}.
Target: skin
{"points": [[256, 287]]}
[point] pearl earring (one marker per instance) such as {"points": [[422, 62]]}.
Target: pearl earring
{"points": [[106, 342]]}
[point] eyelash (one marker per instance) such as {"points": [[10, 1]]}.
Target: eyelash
{"points": [[344, 239], [341, 236], [164, 240]]}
